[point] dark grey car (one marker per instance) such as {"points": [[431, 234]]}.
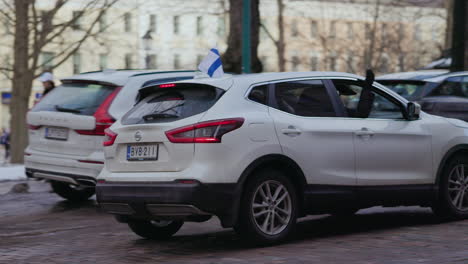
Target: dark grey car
{"points": [[438, 92]]}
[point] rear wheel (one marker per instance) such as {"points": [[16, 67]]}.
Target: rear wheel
{"points": [[268, 211], [72, 192], [155, 229], [453, 190]]}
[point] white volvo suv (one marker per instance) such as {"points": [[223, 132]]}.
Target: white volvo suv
{"points": [[261, 150], [66, 128]]}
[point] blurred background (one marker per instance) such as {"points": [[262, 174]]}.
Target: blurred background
{"points": [[67, 37]]}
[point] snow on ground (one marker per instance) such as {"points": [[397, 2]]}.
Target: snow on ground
{"points": [[12, 172]]}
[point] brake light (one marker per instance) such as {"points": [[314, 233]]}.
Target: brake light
{"points": [[167, 85], [102, 116], [205, 132], [33, 127], [110, 137]]}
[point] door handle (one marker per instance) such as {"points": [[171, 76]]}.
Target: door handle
{"points": [[291, 131], [364, 132]]}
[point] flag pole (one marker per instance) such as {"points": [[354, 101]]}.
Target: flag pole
{"points": [[246, 50]]}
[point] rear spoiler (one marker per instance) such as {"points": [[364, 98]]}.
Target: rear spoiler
{"points": [[150, 86]]}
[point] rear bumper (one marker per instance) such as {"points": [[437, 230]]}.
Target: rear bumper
{"points": [[166, 200], [61, 177]]}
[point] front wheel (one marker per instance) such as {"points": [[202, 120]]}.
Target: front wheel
{"points": [[268, 210], [155, 229], [72, 192], [453, 190]]}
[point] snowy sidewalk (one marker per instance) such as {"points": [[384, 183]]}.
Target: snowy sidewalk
{"points": [[12, 172]]}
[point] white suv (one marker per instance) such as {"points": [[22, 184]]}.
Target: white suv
{"points": [[258, 151], [66, 128]]}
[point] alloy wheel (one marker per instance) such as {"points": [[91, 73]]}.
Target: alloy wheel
{"points": [[458, 187], [271, 207]]}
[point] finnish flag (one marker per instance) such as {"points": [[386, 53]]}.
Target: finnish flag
{"points": [[211, 64]]}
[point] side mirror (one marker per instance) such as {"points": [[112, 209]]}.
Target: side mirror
{"points": [[413, 110]]}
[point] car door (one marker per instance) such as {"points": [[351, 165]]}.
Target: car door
{"points": [[390, 149], [305, 118]]}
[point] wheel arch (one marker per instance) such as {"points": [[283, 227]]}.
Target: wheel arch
{"points": [[278, 161], [450, 154]]}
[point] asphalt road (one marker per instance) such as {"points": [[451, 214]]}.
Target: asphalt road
{"points": [[40, 227]]}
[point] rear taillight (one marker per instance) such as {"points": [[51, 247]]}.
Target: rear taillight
{"points": [[33, 127], [110, 137], [205, 132], [102, 116]]}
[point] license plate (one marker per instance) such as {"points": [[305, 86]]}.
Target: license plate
{"points": [[142, 152], [57, 133]]}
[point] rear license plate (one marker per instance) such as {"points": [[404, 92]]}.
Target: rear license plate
{"points": [[142, 152], [57, 133]]}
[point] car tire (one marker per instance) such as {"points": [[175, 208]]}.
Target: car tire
{"points": [[72, 193], [155, 230], [452, 201], [269, 209]]}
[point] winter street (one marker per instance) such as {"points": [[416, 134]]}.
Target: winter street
{"points": [[39, 227]]}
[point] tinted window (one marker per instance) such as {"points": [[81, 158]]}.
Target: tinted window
{"points": [[359, 104], [454, 86], [169, 104], [259, 94], [304, 98], [78, 98], [408, 89]]}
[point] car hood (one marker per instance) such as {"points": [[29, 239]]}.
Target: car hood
{"points": [[457, 122], [445, 99]]}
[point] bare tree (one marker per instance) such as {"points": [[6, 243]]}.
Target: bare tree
{"points": [[34, 31]]}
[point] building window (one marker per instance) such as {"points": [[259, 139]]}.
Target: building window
{"points": [[103, 61], [176, 61], [333, 29], [199, 26], [176, 25], [128, 61], [314, 63], [401, 31], [128, 22], [152, 23], [221, 26], [350, 29], [350, 63], [333, 62], [295, 63], [313, 29], [417, 33], [294, 29], [384, 65], [76, 24], [151, 61], [103, 22], [76, 63], [368, 31], [384, 31], [47, 60]]}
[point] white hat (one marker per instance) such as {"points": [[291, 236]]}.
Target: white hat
{"points": [[46, 77]]}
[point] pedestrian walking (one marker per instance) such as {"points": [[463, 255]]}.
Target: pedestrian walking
{"points": [[5, 141]]}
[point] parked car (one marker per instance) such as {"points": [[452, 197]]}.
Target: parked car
{"points": [[66, 128], [438, 92], [261, 150]]}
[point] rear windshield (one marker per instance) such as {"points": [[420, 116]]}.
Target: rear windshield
{"points": [[77, 98], [170, 104], [410, 90]]}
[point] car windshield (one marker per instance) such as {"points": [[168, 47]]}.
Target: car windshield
{"points": [[77, 98], [409, 89], [170, 104]]}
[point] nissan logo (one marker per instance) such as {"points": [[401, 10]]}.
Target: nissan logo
{"points": [[138, 136]]}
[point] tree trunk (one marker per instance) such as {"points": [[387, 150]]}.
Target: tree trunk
{"points": [[458, 35], [22, 83], [281, 46], [232, 58]]}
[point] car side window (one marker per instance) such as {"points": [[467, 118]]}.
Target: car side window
{"points": [[304, 98], [259, 94], [454, 86], [366, 105]]}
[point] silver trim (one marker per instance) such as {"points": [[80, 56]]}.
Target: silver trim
{"points": [[174, 210], [55, 177]]}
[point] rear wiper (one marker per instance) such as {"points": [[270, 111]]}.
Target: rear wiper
{"points": [[151, 117], [69, 110]]}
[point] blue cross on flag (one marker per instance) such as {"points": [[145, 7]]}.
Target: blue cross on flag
{"points": [[211, 64]]}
